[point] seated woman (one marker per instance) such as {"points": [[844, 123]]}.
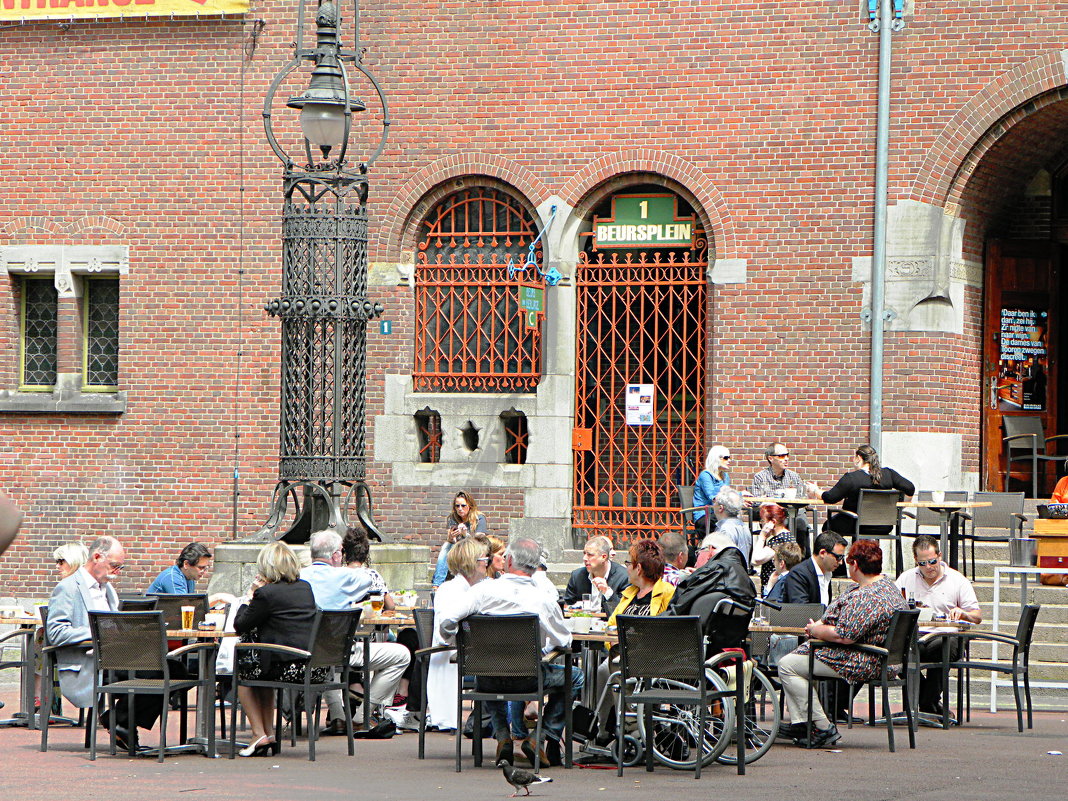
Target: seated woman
{"points": [[467, 562], [464, 519], [69, 557], [649, 595], [859, 615], [280, 612], [709, 482], [773, 531], [867, 474]]}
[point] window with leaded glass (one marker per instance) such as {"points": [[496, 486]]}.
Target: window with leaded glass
{"points": [[471, 333], [40, 303], [101, 356]]}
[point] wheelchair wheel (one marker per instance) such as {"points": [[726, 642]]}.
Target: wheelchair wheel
{"points": [[761, 721], [676, 738], [632, 751]]}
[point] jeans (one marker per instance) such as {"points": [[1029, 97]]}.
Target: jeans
{"points": [[441, 569], [553, 721]]}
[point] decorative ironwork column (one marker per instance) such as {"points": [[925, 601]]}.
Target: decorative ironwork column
{"points": [[323, 306]]}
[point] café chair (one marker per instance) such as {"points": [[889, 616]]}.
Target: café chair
{"points": [[686, 502], [330, 640], [136, 642], [1025, 441], [49, 686], [999, 522], [424, 629], [24, 661], [879, 507], [140, 603], [662, 661], [1018, 666], [895, 670], [506, 647]]}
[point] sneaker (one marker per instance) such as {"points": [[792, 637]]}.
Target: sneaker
{"points": [[403, 719], [821, 738]]}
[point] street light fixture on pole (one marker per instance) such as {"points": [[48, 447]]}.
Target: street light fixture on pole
{"points": [[323, 305]]}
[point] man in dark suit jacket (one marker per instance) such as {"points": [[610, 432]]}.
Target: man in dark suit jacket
{"points": [[810, 581], [599, 576]]}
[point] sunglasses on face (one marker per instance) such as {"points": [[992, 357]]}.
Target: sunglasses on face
{"points": [[780, 455], [926, 562], [841, 557], [727, 458]]}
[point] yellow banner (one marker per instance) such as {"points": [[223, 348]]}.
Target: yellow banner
{"points": [[14, 10]]}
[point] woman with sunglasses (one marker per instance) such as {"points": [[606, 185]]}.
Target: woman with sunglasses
{"points": [[710, 481], [463, 519]]}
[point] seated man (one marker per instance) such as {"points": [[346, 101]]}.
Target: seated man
{"points": [[810, 581], [181, 578], [598, 577], [721, 571], [516, 593], [728, 508], [775, 479], [935, 584], [89, 589], [675, 549], [337, 587]]}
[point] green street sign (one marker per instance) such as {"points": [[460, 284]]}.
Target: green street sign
{"points": [[644, 221], [532, 298]]}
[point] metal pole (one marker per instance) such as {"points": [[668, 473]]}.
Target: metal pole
{"points": [[878, 260]]}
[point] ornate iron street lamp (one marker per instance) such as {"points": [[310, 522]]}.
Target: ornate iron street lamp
{"points": [[323, 306]]}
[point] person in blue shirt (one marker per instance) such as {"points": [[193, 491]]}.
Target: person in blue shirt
{"points": [[181, 578], [711, 480]]}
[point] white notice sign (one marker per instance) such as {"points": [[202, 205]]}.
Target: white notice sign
{"points": [[639, 402]]}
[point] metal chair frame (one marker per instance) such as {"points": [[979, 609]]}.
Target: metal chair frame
{"points": [[879, 507], [1028, 431], [330, 646], [1006, 512]]}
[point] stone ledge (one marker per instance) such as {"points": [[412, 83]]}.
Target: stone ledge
{"points": [[62, 402]]}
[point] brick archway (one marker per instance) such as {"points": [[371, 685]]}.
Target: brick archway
{"points": [[961, 141], [719, 221], [409, 202]]}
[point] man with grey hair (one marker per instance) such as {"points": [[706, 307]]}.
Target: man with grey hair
{"points": [[728, 507], [517, 593], [339, 587]]}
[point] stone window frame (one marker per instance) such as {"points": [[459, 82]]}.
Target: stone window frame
{"points": [[69, 266]]}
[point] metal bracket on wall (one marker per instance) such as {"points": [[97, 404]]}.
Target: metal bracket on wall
{"points": [[897, 9], [888, 315]]}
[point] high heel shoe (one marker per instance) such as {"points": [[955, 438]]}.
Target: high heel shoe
{"points": [[261, 746]]}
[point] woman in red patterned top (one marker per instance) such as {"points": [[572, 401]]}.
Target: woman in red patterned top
{"points": [[859, 615]]}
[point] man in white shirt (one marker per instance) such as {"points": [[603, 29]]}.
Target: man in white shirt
{"points": [[339, 587], [933, 583], [517, 593]]}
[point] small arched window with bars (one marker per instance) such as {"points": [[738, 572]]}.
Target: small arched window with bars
{"points": [[428, 429], [516, 437], [471, 333]]}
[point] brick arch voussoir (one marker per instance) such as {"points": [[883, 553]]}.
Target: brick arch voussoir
{"points": [[399, 215], [670, 166], [31, 228], [95, 223], [958, 140]]}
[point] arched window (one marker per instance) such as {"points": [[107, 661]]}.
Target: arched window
{"points": [[471, 335]]}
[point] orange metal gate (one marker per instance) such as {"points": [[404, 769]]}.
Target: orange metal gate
{"points": [[641, 320]]}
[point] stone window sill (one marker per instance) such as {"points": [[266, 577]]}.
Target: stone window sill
{"points": [[62, 401]]}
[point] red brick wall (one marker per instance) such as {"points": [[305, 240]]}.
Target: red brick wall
{"points": [[764, 110]]}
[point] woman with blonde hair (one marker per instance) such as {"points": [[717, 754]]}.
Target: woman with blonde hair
{"points": [[281, 612], [69, 557]]}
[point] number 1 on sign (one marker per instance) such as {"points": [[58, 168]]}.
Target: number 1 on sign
{"points": [[644, 206]]}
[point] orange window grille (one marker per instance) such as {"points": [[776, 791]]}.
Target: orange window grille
{"points": [[471, 334]]}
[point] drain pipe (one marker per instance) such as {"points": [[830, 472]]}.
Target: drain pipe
{"points": [[885, 19]]}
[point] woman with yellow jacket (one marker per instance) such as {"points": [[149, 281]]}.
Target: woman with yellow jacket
{"points": [[649, 595]]}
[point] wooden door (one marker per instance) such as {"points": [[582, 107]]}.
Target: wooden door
{"points": [[1019, 359]]}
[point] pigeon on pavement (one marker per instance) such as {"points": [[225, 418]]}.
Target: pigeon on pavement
{"points": [[519, 778]]}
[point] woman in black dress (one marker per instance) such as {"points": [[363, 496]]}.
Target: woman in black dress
{"points": [[868, 474], [281, 611]]}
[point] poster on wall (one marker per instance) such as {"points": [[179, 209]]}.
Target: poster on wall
{"points": [[25, 10], [1023, 359], [639, 402]]}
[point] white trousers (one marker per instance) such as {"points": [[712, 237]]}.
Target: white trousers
{"points": [[793, 673], [387, 665]]}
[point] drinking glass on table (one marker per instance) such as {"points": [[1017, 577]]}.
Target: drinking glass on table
{"points": [[187, 618], [587, 603], [376, 599]]}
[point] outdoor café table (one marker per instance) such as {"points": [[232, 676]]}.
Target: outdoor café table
{"points": [[27, 652], [204, 740], [946, 510], [947, 631], [793, 507]]}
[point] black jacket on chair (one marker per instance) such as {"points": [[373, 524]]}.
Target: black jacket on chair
{"points": [[579, 584], [280, 613]]}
